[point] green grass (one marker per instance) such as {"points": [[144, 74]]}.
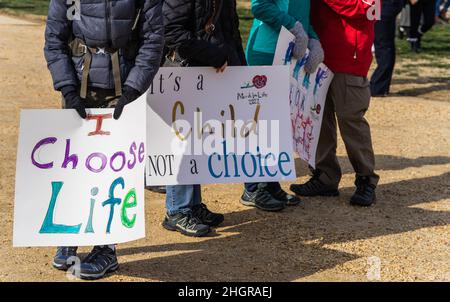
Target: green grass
{"points": [[36, 7], [245, 23], [436, 46]]}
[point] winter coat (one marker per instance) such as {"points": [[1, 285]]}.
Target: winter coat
{"points": [[105, 24], [346, 34], [270, 15], [185, 21]]}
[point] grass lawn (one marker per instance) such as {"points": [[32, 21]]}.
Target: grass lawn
{"points": [[37, 7]]}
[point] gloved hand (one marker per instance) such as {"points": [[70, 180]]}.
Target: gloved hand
{"points": [[73, 100], [315, 57], [128, 95], [301, 40]]}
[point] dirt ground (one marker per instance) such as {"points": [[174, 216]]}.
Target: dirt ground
{"points": [[322, 239]]}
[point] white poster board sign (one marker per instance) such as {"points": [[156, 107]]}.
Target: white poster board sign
{"points": [[207, 127], [80, 182], [307, 97]]}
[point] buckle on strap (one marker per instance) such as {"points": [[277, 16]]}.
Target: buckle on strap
{"points": [[100, 51]]}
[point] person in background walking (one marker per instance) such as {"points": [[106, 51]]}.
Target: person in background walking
{"points": [[421, 11], [385, 47]]}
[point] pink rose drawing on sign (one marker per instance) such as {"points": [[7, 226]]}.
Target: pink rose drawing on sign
{"points": [[259, 81]]}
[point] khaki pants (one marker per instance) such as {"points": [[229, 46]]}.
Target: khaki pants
{"points": [[98, 98], [347, 102]]}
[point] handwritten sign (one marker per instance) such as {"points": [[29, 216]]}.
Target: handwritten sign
{"points": [[307, 97], [80, 182], [208, 127]]}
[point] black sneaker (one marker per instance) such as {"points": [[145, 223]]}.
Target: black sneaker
{"points": [[62, 259], [101, 260], [206, 216], [415, 46], [288, 199], [314, 187], [365, 193], [262, 199], [187, 224]]}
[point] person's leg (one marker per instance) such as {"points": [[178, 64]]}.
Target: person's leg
{"points": [[379, 82], [179, 199], [428, 16], [414, 36], [355, 132], [326, 160], [385, 56], [327, 174]]}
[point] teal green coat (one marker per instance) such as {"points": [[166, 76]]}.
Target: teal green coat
{"points": [[270, 15]]}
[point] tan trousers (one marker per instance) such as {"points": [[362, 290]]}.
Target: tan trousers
{"points": [[347, 102]]}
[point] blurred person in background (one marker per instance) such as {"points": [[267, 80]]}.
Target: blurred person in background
{"points": [[385, 47], [442, 7], [422, 20]]}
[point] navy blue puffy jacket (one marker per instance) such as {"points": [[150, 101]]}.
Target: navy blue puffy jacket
{"points": [[105, 23]]}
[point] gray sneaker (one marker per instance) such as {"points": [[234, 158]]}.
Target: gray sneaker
{"points": [[186, 223], [62, 256], [262, 199]]}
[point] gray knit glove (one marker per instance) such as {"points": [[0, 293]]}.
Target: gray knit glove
{"points": [[315, 57], [301, 40]]}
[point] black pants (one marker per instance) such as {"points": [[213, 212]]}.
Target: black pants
{"points": [[425, 8], [385, 47]]}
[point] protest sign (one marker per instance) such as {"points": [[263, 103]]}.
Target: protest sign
{"points": [[307, 97], [207, 127], [80, 182]]}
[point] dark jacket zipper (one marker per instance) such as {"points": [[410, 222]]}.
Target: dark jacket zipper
{"points": [[108, 22]]}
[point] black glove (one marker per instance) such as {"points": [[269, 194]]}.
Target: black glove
{"points": [[73, 100], [128, 95]]}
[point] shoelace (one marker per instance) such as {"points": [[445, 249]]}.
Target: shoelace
{"points": [[189, 221], [263, 195]]}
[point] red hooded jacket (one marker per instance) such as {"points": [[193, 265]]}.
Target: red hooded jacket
{"points": [[346, 34]]}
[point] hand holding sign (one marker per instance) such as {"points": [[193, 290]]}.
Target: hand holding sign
{"points": [[80, 182]]}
